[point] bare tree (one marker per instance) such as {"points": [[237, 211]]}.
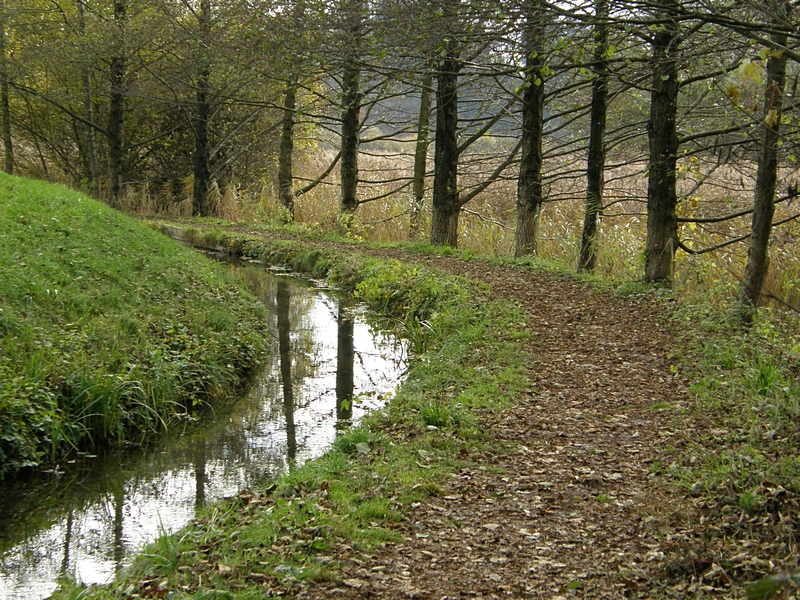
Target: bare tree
{"points": [[116, 113], [4, 101], [529, 187], [596, 159], [202, 172], [766, 180]]}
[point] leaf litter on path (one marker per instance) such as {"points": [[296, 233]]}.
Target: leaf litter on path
{"points": [[586, 430]]}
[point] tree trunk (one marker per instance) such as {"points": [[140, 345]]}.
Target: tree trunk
{"points": [[116, 109], [529, 184], [285, 174], [421, 154], [595, 167], [662, 223], [4, 103], [202, 172], [766, 179], [350, 127], [88, 103], [351, 106], [446, 206]]}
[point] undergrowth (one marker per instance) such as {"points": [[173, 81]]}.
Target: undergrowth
{"points": [[736, 454]]}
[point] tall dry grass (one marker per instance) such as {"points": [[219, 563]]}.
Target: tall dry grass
{"points": [[707, 188]]}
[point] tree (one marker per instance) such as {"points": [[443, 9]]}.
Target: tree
{"points": [[116, 112], [595, 165], [529, 188], [353, 15], [446, 205], [4, 100], [202, 173], [421, 151], [88, 100], [285, 170], [766, 180], [662, 200]]}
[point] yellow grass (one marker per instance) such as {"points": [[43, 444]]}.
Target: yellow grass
{"points": [[487, 223]]}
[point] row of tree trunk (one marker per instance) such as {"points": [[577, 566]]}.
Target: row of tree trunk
{"points": [[441, 79]]}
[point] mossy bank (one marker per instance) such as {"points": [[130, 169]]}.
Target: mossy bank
{"points": [[108, 330]]}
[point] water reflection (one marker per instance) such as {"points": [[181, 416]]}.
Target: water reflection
{"points": [[282, 302], [84, 519], [345, 356]]}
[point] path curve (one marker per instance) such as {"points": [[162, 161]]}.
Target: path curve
{"points": [[572, 510]]}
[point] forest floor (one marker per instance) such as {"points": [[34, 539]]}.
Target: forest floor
{"points": [[574, 510]]}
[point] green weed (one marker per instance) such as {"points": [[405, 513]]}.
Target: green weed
{"points": [[766, 376], [356, 440], [441, 414]]}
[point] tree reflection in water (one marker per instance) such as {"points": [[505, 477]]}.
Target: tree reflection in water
{"points": [[85, 519], [284, 343], [345, 355]]}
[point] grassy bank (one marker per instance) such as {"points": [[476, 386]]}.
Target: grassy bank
{"points": [[108, 330], [735, 456], [365, 486]]}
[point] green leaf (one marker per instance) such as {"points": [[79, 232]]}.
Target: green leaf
{"points": [[363, 448], [764, 588]]}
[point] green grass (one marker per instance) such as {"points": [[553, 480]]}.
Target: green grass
{"points": [[737, 445], [745, 385], [364, 488], [107, 329]]}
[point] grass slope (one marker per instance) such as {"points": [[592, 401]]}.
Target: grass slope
{"points": [[108, 330]]}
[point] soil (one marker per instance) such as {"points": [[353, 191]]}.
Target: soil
{"points": [[573, 512]]}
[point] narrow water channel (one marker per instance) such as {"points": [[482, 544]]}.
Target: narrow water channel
{"points": [[87, 518]]}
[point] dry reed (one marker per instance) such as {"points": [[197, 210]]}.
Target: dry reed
{"points": [[706, 188]]}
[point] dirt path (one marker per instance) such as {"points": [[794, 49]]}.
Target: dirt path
{"points": [[568, 514]]}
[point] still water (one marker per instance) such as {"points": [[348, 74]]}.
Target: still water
{"points": [[87, 518]]}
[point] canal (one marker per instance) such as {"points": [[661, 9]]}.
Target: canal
{"points": [[86, 518]]}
